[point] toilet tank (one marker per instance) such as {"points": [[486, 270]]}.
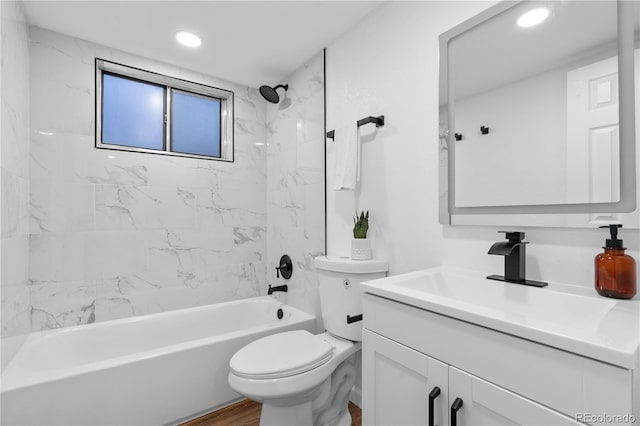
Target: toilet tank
{"points": [[340, 293]]}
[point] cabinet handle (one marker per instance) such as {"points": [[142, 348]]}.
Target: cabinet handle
{"points": [[355, 318], [435, 392], [457, 404]]}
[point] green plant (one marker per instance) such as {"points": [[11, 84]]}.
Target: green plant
{"points": [[361, 225]]}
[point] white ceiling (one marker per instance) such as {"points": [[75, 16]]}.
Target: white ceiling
{"points": [[498, 52], [247, 42]]}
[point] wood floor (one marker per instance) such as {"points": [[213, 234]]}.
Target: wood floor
{"points": [[247, 413]]}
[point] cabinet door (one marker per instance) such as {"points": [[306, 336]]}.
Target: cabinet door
{"points": [[485, 404], [396, 383]]}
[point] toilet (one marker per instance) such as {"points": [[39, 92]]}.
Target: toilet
{"points": [[305, 379]]}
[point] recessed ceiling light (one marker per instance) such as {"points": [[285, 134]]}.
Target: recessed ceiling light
{"points": [[45, 133], [533, 17], [188, 39]]}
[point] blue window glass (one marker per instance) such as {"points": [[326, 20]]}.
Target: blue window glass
{"points": [[132, 113], [195, 124]]}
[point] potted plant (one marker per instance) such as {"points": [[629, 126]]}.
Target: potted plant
{"points": [[360, 245]]}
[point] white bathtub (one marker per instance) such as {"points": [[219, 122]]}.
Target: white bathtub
{"points": [[151, 370]]}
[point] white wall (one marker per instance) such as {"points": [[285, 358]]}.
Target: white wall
{"points": [[14, 161], [388, 64], [295, 183], [116, 234], [510, 165]]}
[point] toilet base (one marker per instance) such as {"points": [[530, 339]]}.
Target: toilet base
{"points": [[295, 416], [330, 406], [292, 415]]}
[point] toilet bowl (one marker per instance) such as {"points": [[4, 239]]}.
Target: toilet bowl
{"points": [[305, 379]]}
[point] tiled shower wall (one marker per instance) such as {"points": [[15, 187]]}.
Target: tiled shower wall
{"points": [[14, 159], [116, 234], [295, 182]]}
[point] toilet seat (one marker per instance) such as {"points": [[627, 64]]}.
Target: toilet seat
{"points": [[281, 355]]}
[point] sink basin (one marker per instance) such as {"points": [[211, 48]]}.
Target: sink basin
{"points": [[507, 299], [568, 317]]}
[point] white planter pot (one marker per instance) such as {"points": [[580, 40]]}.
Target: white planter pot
{"points": [[361, 249]]}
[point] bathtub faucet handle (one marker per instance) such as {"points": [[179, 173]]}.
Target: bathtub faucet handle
{"points": [[285, 268]]}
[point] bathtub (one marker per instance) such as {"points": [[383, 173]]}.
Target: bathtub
{"points": [[151, 370]]}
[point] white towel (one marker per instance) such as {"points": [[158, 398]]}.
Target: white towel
{"points": [[347, 158]]}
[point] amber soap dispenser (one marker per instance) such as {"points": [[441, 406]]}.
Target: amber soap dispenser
{"points": [[615, 271]]}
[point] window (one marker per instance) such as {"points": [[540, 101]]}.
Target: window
{"points": [[142, 111]]}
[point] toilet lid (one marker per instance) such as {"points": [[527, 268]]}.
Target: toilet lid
{"points": [[281, 355]]}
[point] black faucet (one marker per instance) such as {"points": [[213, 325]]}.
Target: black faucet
{"points": [[277, 288], [514, 260]]}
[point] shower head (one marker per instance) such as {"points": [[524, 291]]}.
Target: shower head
{"points": [[270, 94]]}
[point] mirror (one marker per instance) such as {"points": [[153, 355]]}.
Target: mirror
{"points": [[540, 118]]}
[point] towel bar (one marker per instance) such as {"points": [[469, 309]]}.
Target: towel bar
{"points": [[379, 121]]}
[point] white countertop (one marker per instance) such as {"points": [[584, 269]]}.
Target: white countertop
{"points": [[571, 318]]}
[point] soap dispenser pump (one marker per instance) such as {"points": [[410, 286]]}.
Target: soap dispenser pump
{"points": [[615, 272]]}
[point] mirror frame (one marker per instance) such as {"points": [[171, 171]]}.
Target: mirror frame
{"points": [[627, 133]]}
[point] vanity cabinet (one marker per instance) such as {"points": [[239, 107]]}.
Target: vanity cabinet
{"points": [[410, 388], [501, 379], [397, 382]]}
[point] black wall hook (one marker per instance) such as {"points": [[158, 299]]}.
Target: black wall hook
{"points": [[458, 136], [484, 130]]}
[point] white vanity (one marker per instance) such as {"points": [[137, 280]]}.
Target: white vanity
{"points": [[511, 354]]}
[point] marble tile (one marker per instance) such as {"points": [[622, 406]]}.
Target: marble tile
{"points": [[49, 156], [106, 167], [46, 258], [287, 207], [185, 257], [62, 304], [78, 116], [237, 205], [61, 70], [250, 105], [15, 311], [14, 203], [15, 261], [15, 139], [76, 256], [14, 177], [121, 253], [112, 304], [121, 207], [127, 296], [15, 90], [59, 207], [191, 172]]}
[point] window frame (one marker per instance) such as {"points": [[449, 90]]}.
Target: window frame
{"points": [[226, 98]]}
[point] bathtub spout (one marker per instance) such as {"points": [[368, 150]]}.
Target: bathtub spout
{"points": [[277, 288]]}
